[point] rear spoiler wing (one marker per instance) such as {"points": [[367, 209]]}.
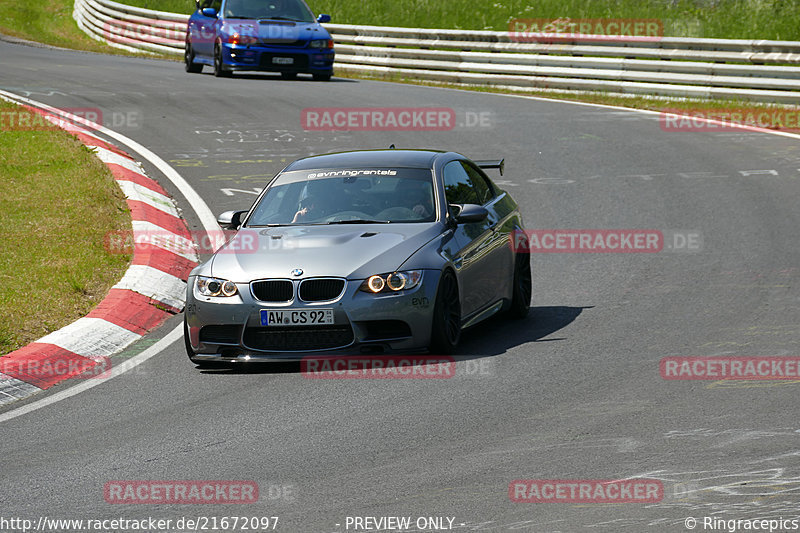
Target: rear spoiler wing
{"points": [[499, 164]]}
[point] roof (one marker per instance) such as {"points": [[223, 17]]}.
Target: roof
{"points": [[368, 158]]}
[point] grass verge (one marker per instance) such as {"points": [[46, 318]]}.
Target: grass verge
{"points": [[58, 203], [50, 22], [731, 19]]}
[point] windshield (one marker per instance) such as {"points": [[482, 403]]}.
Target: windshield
{"points": [[347, 196], [295, 10]]}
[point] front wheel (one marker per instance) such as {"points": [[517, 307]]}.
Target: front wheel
{"points": [[523, 283], [321, 77], [446, 327], [219, 69], [188, 59]]}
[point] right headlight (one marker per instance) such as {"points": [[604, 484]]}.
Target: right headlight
{"points": [[392, 282], [321, 43], [215, 286]]}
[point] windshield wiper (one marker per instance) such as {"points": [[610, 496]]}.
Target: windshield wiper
{"points": [[359, 221]]}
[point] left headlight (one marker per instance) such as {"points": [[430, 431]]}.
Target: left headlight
{"points": [[215, 286], [321, 43], [393, 282]]}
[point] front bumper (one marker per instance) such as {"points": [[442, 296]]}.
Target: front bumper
{"points": [[229, 329], [276, 59]]}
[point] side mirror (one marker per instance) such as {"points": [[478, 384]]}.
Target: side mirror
{"points": [[322, 19], [231, 219], [209, 12], [469, 213]]}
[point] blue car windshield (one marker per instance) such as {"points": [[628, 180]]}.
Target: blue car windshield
{"points": [[293, 10], [347, 196]]}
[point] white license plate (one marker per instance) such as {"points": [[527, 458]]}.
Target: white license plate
{"points": [[296, 317], [283, 60]]}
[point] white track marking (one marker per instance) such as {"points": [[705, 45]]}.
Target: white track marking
{"points": [[167, 289], [201, 209], [91, 337], [138, 193], [147, 233], [116, 370], [207, 219]]}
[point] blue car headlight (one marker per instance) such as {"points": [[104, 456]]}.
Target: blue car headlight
{"points": [[215, 287], [393, 282], [321, 43]]}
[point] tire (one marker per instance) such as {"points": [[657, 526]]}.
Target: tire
{"points": [[322, 77], [219, 68], [523, 283], [188, 60], [289, 75], [446, 326]]}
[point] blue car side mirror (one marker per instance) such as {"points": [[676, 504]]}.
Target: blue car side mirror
{"points": [[322, 19], [209, 12]]}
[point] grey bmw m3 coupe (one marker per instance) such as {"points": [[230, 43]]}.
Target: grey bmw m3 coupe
{"points": [[376, 251]]}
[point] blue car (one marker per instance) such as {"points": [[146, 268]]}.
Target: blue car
{"points": [[266, 35]]}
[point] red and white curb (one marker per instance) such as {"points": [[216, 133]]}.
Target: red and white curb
{"points": [[152, 289]]}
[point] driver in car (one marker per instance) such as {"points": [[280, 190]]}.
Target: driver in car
{"points": [[308, 207]]}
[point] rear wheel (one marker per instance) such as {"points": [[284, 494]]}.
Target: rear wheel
{"points": [[188, 59], [321, 77], [219, 69], [523, 283], [446, 330]]}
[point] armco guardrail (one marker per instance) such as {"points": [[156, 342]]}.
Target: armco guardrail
{"points": [[668, 66]]}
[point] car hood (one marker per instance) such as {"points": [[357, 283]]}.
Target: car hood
{"points": [[348, 251], [276, 31]]}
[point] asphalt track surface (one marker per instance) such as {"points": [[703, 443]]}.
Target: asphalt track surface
{"points": [[573, 392]]}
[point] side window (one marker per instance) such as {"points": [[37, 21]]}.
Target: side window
{"points": [[458, 187], [480, 183]]}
